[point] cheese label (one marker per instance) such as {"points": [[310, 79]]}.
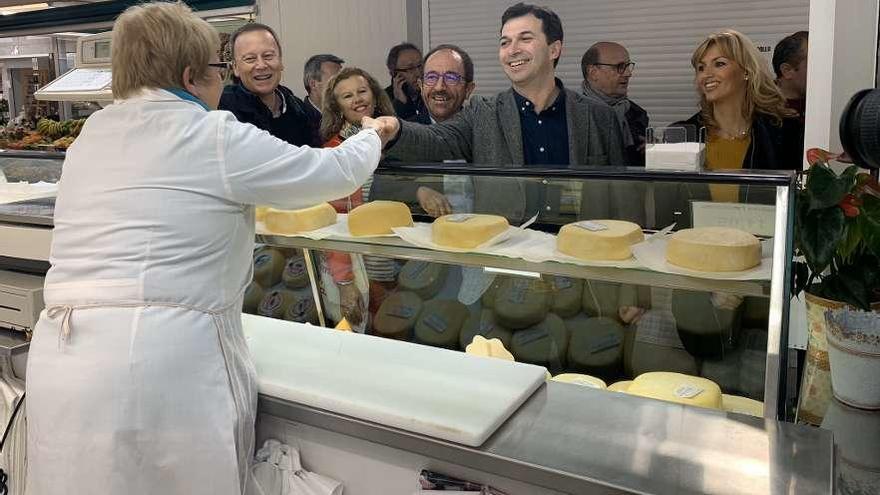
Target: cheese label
{"points": [[436, 322], [401, 311], [301, 308], [562, 283], [688, 391], [415, 270], [295, 267], [272, 303], [459, 218], [605, 342], [262, 259], [529, 336], [591, 226], [518, 290]]}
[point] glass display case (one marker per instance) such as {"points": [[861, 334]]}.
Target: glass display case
{"points": [[612, 321]]}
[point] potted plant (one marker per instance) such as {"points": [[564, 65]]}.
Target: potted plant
{"points": [[837, 236]]}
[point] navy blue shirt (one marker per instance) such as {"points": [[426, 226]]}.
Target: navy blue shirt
{"points": [[545, 134]]}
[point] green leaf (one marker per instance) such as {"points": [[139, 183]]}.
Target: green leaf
{"points": [[851, 239], [820, 233], [825, 188], [869, 223]]}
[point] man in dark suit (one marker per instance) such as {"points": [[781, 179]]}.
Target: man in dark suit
{"points": [[404, 64], [317, 70]]}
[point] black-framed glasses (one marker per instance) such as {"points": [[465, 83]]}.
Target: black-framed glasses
{"points": [[408, 69], [225, 69], [450, 78], [621, 67]]}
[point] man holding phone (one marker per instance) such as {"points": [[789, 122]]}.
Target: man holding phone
{"points": [[404, 64]]}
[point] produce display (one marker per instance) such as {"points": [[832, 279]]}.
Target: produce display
{"points": [[47, 134]]}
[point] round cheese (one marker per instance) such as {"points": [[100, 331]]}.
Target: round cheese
{"points": [[483, 324], [424, 278], [291, 222], [742, 405], [596, 346], [601, 298], [488, 348], [582, 380], [302, 310], [252, 297], [467, 230], [678, 388], [276, 302], [565, 296], [544, 344], [703, 328], [487, 300], [440, 323], [521, 302], [295, 275], [621, 386], [260, 213], [713, 249], [378, 218], [268, 267], [599, 240], [397, 315]]}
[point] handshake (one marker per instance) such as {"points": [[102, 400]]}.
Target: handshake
{"points": [[386, 127]]}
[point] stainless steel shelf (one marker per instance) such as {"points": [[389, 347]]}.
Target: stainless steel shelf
{"points": [[397, 248], [12, 342]]}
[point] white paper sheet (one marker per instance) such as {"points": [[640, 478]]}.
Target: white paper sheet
{"points": [[652, 254]]}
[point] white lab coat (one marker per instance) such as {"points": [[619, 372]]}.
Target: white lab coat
{"points": [[139, 379]]}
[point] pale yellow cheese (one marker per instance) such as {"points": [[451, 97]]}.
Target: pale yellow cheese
{"points": [[742, 405], [467, 230], [713, 249], [290, 222], [678, 388], [378, 218], [488, 348], [260, 213], [599, 240], [397, 315], [579, 379], [621, 386]]}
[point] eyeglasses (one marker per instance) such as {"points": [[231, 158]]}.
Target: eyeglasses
{"points": [[621, 67], [408, 69], [225, 69], [450, 78]]}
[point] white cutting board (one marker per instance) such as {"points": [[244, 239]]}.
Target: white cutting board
{"points": [[436, 392]]}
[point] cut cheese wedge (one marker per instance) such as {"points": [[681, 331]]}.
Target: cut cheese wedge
{"points": [[579, 379], [378, 218], [467, 230], [714, 249], [290, 222], [678, 388], [488, 348], [742, 405], [599, 240]]}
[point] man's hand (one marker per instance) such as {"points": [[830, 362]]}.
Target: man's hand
{"points": [[399, 90], [434, 203], [351, 304], [386, 127]]}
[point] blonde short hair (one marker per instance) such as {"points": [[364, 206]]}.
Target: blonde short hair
{"points": [[153, 43], [762, 94]]}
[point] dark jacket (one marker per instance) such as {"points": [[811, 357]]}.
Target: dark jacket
{"points": [[637, 118], [313, 116], [292, 126], [415, 107]]}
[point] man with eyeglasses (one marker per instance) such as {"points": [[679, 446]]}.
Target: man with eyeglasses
{"points": [[404, 64], [607, 69], [257, 96], [447, 82]]}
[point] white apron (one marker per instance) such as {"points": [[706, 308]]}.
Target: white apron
{"points": [[139, 380]]}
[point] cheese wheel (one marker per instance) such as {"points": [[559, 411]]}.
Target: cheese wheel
{"points": [[703, 328], [424, 278], [397, 315], [599, 240], [621, 386], [302, 310], [440, 323], [601, 298], [678, 388], [276, 302], [742, 405], [467, 230], [582, 380], [596, 346], [647, 357], [483, 324], [565, 295], [713, 249], [291, 222], [487, 300], [488, 348], [268, 267], [544, 344], [260, 213], [378, 218], [253, 294], [295, 275], [521, 303]]}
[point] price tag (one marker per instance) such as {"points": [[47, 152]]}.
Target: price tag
{"points": [[605, 342], [436, 323], [402, 312], [562, 283], [688, 391], [459, 217], [591, 226], [529, 336]]}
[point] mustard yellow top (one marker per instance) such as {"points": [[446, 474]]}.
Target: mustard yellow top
{"points": [[726, 154]]}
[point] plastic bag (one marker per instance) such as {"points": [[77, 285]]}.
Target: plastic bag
{"points": [[278, 471]]}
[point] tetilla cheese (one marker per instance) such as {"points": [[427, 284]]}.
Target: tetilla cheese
{"points": [[295, 275], [467, 230], [521, 302], [601, 298], [378, 218], [302, 310], [704, 328], [596, 346], [483, 324], [488, 348], [268, 267], [599, 240], [742, 405], [678, 388], [291, 222], [252, 297], [621, 386], [276, 302], [579, 379], [397, 315], [544, 344], [424, 278], [565, 295], [713, 249], [440, 323]]}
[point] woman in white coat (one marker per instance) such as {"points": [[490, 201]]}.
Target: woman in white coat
{"points": [[139, 380]]}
